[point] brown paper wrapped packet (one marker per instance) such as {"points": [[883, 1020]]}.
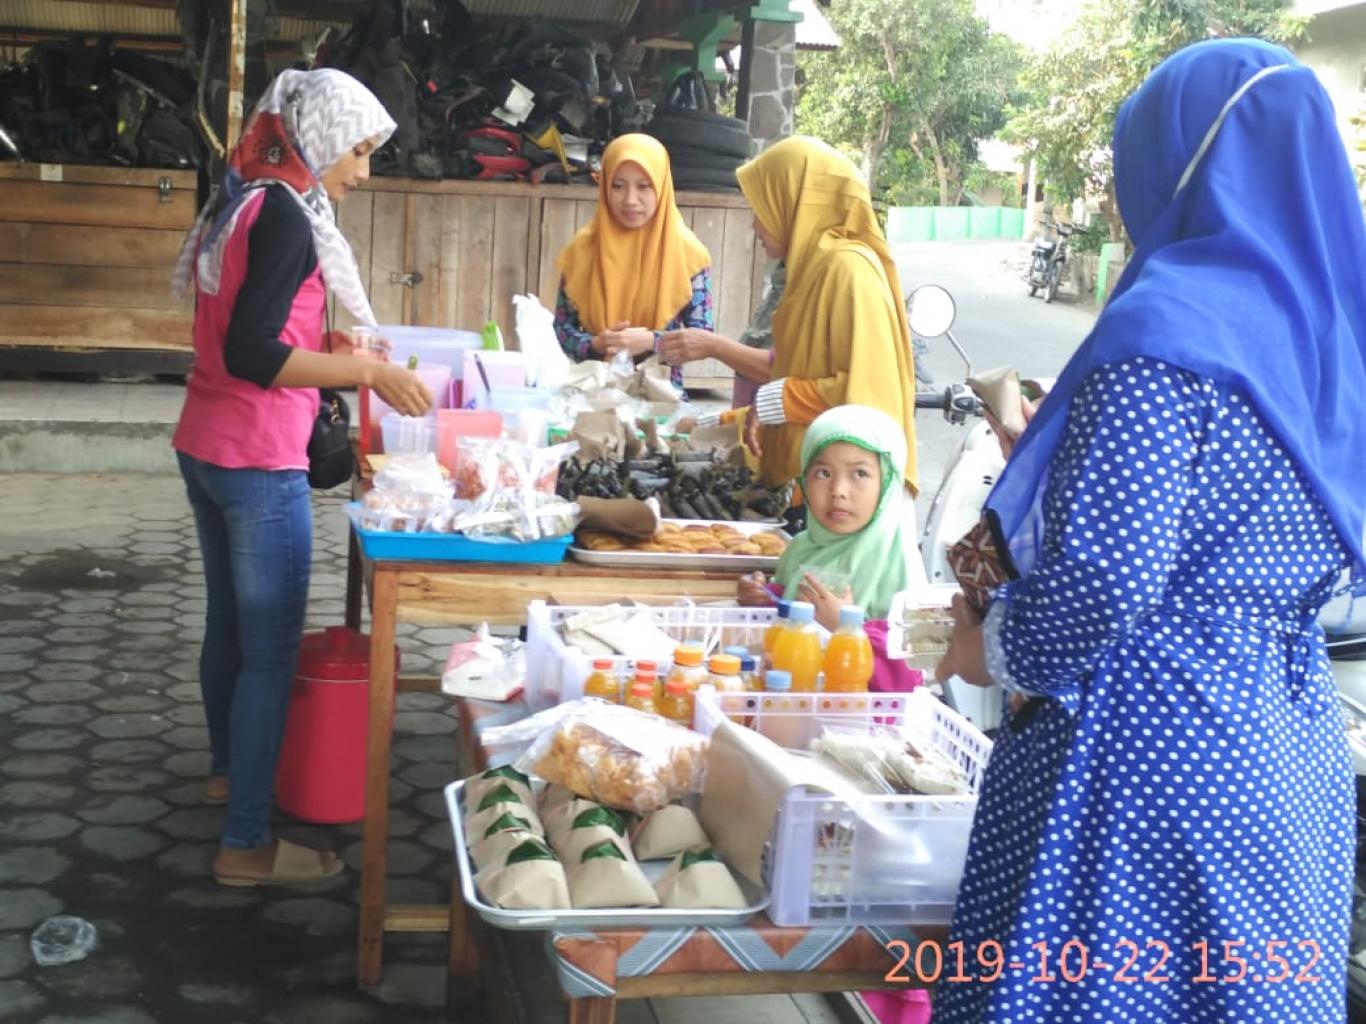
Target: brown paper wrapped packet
{"points": [[492, 851], [589, 828], [561, 819], [698, 880], [479, 786], [604, 877], [552, 797], [668, 831], [530, 878], [500, 818], [504, 794]]}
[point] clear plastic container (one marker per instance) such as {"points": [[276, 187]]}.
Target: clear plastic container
{"points": [[725, 673], [642, 697], [848, 663], [408, 435], [677, 705], [688, 667], [798, 648]]}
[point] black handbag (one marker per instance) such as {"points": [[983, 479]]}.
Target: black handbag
{"points": [[330, 458]]}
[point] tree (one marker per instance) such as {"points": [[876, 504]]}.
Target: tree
{"points": [[915, 86], [1074, 90]]}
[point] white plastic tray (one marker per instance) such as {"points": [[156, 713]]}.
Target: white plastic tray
{"points": [[667, 560], [626, 917]]}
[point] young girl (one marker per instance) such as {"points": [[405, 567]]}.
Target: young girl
{"points": [[860, 525]]}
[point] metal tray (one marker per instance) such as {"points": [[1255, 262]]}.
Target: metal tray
{"points": [[611, 917], [665, 560]]}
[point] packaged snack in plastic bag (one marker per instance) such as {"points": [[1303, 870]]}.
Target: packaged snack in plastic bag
{"points": [[620, 757], [408, 494]]}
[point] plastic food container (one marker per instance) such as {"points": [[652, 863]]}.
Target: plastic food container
{"points": [[408, 435], [436, 378], [453, 424], [433, 346], [877, 860]]}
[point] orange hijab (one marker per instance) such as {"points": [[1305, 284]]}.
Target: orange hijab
{"points": [[640, 275]]}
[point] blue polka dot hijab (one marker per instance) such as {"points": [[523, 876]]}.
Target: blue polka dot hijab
{"points": [[1249, 269]]}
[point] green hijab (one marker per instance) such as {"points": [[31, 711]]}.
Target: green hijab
{"points": [[876, 558]]}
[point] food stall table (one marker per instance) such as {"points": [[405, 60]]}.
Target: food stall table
{"points": [[597, 967], [461, 593]]}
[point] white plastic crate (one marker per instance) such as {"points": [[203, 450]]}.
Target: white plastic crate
{"points": [[874, 860], [556, 672]]}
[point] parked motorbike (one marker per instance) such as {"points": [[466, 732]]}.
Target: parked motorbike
{"points": [[1048, 261]]}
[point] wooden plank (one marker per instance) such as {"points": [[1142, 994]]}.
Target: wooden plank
{"points": [[511, 236], [237, 70], [476, 228], [104, 287], [418, 917], [758, 276], [732, 285], [451, 262], [76, 173], [709, 225], [583, 212], [355, 218], [85, 246], [42, 202], [559, 221], [386, 257], [532, 275], [75, 327], [422, 254]]}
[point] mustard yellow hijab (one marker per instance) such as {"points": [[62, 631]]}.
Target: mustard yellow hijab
{"points": [[639, 275], [841, 322]]}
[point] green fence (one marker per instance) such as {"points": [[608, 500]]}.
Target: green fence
{"points": [[953, 223]]}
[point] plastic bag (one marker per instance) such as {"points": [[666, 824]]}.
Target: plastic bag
{"points": [[409, 493], [485, 668], [547, 366], [619, 756]]}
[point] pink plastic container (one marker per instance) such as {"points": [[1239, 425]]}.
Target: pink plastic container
{"points": [[452, 424], [320, 776], [438, 381]]}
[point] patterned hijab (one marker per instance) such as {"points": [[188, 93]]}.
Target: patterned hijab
{"points": [[1248, 270], [878, 557], [640, 275], [303, 125]]}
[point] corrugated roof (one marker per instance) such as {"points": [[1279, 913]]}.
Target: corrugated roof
{"points": [[116, 19], [814, 31], [598, 12]]}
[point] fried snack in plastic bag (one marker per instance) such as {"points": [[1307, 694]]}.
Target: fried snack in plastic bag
{"points": [[620, 757]]}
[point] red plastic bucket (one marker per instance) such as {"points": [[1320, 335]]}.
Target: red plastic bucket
{"points": [[321, 772]]}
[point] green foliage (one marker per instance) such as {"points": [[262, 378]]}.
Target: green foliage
{"points": [[916, 85], [1074, 90], [1090, 238]]}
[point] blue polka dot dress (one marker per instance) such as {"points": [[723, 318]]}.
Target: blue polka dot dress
{"points": [[1175, 802]]}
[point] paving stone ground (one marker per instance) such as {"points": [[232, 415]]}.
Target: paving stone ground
{"points": [[103, 748]]}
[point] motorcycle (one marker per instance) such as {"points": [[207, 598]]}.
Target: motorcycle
{"points": [[1047, 262]]}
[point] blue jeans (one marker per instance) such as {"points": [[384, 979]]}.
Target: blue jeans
{"points": [[256, 537]]}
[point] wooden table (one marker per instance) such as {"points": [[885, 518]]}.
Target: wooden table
{"points": [[461, 593]]}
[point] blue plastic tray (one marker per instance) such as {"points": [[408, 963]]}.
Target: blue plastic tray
{"points": [[456, 547]]}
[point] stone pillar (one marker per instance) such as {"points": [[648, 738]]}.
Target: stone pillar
{"points": [[772, 82]]}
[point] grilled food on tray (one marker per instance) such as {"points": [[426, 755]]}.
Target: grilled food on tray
{"points": [[693, 539]]}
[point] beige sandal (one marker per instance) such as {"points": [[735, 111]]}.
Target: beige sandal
{"points": [[214, 792], [293, 865]]}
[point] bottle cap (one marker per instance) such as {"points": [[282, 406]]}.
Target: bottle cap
{"points": [[748, 663], [688, 655], [739, 650], [645, 675], [802, 613], [850, 617], [641, 688], [675, 687], [725, 664], [647, 666], [602, 665], [778, 680], [784, 607]]}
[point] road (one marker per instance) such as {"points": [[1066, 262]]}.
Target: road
{"points": [[997, 323]]}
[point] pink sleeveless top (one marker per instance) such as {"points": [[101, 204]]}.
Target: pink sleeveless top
{"points": [[231, 422]]}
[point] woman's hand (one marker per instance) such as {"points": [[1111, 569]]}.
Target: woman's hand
{"points": [[401, 389], [752, 591], [636, 341], [825, 600], [752, 433], [966, 656], [686, 345], [1003, 437]]}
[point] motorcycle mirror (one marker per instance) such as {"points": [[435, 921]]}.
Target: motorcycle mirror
{"points": [[931, 311]]}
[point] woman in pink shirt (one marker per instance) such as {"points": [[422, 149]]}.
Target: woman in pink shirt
{"points": [[261, 256]]}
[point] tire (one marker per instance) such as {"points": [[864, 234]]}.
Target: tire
{"points": [[1050, 291], [705, 117], [687, 179], [679, 135], [700, 159]]}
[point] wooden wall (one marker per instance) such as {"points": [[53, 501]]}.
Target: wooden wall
{"points": [[86, 255]]}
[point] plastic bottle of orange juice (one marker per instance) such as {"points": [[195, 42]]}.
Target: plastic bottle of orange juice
{"points": [[849, 655], [688, 667], [677, 705], [645, 673], [776, 630], [603, 682], [642, 696], [798, 650]]}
